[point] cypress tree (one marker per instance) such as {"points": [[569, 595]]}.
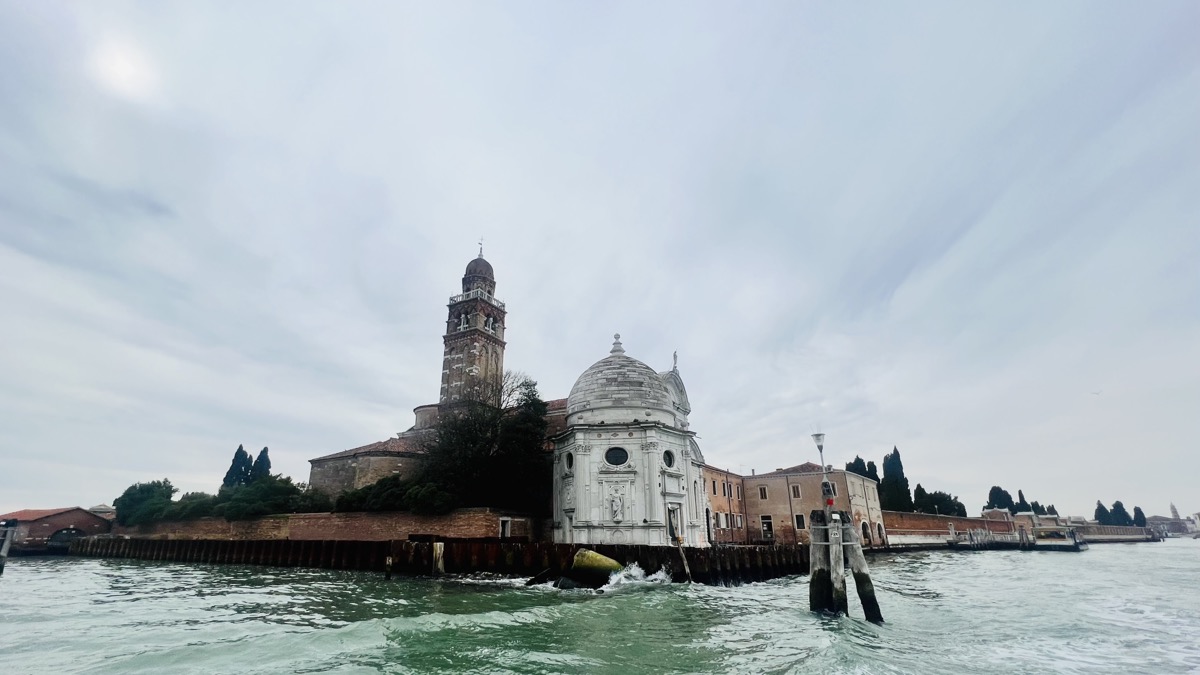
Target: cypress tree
{"points": [[1119, 515], [261, 467], [1139, 517], [894, 494], [1102, 515], [998, 498], [872, 472], [239, 469], [858, 466], [1021, 505], [921, 500], [1051, 510]]}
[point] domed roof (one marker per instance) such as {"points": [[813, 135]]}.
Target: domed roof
{"points": [[480, 267], [618, 381]]}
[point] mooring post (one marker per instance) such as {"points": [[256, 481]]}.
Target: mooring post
{"points": [[7, 530], [820, 586], [683, 556], [439, 562], [387, 567], [862, 576], [837, 565]]}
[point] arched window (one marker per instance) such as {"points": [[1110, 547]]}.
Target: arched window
{"points": [[462, 321], [866, 533], [879, 527]]}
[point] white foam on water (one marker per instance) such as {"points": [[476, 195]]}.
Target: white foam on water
{"points": [[633, 574]]}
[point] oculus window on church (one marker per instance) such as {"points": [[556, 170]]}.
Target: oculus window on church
{"points": [[616, 456]]}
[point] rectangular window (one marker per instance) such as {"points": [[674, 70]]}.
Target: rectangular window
{"points": [[505, 528], [762, 492], [799, 521], [723, 484], [767, 530], [795, 492], [714, 488], [739, 521], [725, 520], [739, 492]]}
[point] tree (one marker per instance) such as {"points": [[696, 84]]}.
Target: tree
{"points": [[937, 502], [858, 466], [1037, 508], [921, 500], [271, 495], [1021, 506], [143, 503], [872, 473], [998, 498], [240, 469], [1174, 511], [1050, 510], [894, 494], [1102, 515], [1119, 515], [1139, 517], [261, 467], [190, 506], [480, 455]]}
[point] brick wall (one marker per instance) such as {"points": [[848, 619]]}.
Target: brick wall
{"points": [[463, 523], [899, 523], [1098, 533]]}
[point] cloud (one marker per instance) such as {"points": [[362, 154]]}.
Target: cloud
{"points": [[938, 228]]}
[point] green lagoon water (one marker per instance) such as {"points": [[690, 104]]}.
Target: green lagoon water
{"points": [[1113, 609]]}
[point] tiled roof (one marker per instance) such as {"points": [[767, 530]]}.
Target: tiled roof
{"points": [[556, 404], [35, 514], [807, 467], [408, 444]]}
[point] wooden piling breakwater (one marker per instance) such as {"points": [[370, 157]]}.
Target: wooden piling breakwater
{"points": [[721, 565]]}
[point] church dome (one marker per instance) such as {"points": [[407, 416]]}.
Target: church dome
{"points": [[480, 268], [619, 389]]}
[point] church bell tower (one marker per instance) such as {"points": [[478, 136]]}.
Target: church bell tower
{"points": [[473, 360]]}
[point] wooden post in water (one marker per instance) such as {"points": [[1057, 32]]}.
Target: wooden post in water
{"points": [[862, 576], [820, 585], [683, 556], [7, 531], [439, 562], [837, 565]]}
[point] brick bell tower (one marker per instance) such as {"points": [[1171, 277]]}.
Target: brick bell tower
{"points": [[473, 361]]}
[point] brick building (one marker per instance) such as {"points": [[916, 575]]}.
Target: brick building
{"points": [[775, 507], [52, 530]]}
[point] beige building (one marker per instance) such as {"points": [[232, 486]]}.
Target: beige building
{"points": [[776, 507]]}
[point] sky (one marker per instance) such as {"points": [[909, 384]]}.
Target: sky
{"points": [[969, 231]]}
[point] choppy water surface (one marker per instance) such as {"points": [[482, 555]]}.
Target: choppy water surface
{"points": [[1113, 609]]}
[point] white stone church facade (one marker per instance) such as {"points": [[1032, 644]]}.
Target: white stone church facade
{"points": [[627, 470]]}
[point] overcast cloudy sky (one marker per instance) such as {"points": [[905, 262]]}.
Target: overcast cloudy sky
{"points": [[968, 230]]}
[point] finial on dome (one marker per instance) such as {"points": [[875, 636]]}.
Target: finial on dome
{"points": [[617, 348], [481, 247], [675, 360]]}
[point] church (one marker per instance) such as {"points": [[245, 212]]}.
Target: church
{"points": [[626, 467]]}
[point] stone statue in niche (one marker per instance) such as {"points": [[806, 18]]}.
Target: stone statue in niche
{"points": [[569, 495], [616, 506]]}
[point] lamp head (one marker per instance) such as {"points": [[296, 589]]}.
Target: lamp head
{"points": [[819, 439]]}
